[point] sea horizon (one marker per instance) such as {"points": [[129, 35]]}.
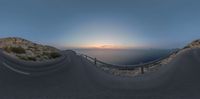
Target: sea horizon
{"points": [[125, 56]]}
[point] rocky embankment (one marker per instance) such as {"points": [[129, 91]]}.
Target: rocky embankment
{"points": [[27, 50], [194, 44], [152, 67]]}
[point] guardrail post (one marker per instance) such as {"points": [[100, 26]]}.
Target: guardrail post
{"points": [[95, 61], [142, 70]]}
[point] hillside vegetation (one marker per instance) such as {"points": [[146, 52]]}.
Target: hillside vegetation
{"points": [[27, 50], [194, 44]]}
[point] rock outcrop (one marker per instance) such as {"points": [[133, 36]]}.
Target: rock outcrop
{"points": [[194, 44], [27, 50]]}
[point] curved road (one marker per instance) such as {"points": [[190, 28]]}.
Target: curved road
{"points": [[80, 79]]}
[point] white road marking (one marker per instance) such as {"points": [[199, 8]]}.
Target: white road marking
{"points": [[16, 70]]}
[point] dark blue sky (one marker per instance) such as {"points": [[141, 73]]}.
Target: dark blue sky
{"points": [[87, 23]]}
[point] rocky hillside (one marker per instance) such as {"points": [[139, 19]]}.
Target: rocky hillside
{"points": [[194, 44], [27, 50]]}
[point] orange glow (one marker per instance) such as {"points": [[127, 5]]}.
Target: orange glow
{"points": [[106, 46]]}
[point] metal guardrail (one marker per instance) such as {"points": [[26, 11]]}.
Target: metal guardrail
{"points": [[128, 67]]}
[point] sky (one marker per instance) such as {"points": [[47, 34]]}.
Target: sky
{"points": [[102, 23]]}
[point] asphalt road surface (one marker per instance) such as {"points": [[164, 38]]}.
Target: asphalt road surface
{"points": [[77, 78]]}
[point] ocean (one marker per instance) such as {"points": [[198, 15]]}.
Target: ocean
{"points": [[125, 56]]}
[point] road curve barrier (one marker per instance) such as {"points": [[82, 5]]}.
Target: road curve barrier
{"points": [[128, 67]]}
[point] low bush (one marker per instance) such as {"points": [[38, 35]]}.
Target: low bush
{"points": [[27, 58], [18, 50], [31, 58], [7, 49], [22, 57], [52, 55]]}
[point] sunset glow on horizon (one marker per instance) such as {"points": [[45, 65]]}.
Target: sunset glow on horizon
{"points": [[104, 46]]}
